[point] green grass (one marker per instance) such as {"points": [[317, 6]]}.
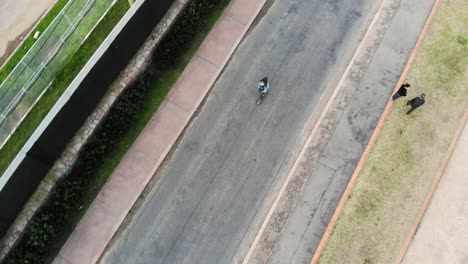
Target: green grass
{"points": [[462, 40], [408, 152], [27, 44], [60, 83], [56, 219], [160, 86], [85, 26]]}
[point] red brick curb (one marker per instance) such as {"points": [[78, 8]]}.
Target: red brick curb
{"points": [[430, 192], [371, 142]]}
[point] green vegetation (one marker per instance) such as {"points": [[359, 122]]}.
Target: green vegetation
{"points": [[63, 78], [27, 44], [462, 40], [161, 81], [409, 150], [55, 221]]}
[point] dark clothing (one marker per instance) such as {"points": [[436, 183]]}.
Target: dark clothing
{"points": [[415, 103], [402, 91], [396, 96]]}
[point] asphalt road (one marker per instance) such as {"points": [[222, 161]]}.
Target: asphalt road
{"points": [[212, 193], [310, 198]]}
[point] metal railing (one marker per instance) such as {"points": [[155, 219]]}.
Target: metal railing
{"points": [[33, 75]]}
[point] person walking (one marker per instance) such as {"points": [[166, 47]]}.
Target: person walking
{"points": [[401, 92], [416, 102]]}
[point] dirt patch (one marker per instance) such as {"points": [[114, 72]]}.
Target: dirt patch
{"points": [[409, 150], [17, 19], [12, 45]]}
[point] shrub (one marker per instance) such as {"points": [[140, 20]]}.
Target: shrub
{"points": [[61, 211], [185, 29]]}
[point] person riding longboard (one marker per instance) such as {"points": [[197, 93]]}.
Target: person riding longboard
{"points": [[263, 87]]}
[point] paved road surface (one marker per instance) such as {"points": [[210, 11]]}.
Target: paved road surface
{"points": [[304, 210], [442, 236], [16, 18], [210, 192]]}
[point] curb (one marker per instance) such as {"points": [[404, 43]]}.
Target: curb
{"points": [[432, 189], [372, 140], [312, 125], [178, 125]]}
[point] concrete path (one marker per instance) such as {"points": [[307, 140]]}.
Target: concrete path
{"points": [[16, 18], [442, 236], [213, 193], [302, 212]]}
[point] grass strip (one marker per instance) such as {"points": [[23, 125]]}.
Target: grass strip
{"points": [[55, 221], [409, 149], [60, 84], [27, 44]]}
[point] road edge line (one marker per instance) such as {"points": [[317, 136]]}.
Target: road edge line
{"points": [[308, 140], [432, 189], [375, 133]]}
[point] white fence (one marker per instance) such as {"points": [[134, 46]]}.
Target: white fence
{"points": [[34, 74]]}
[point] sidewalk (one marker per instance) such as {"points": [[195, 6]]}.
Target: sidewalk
{"points": [[96, 229], [442, 236]]}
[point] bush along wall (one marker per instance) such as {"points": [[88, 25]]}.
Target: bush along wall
{"points": [[53, 223], [170, 51], [60, 211]]}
